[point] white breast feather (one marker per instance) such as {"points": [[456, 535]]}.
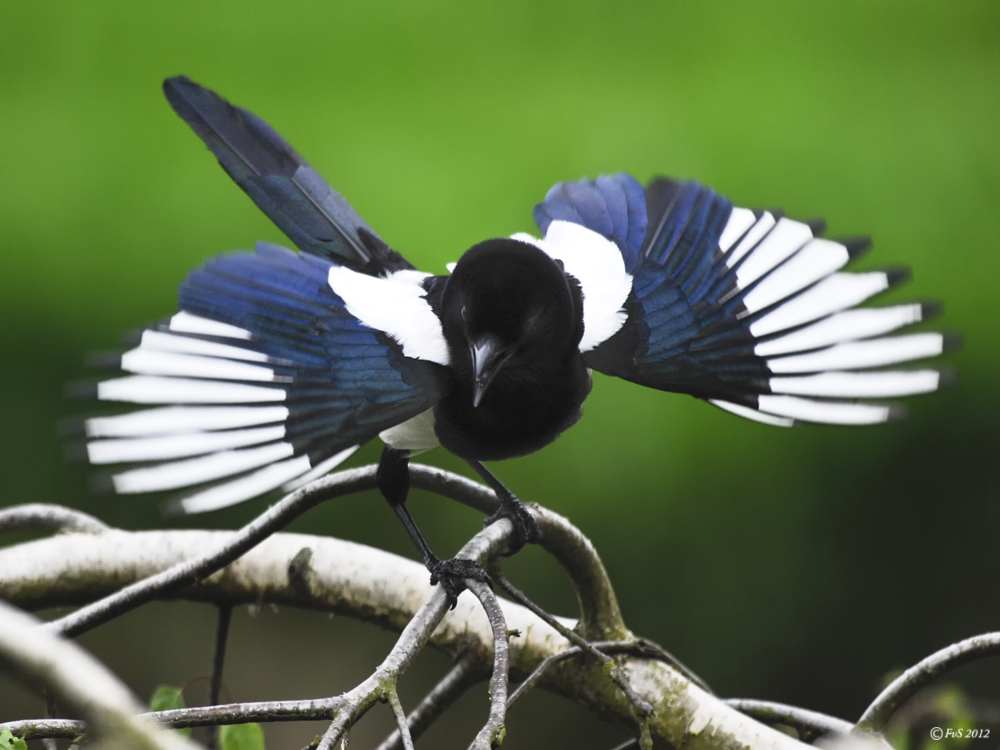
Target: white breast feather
{"points": [[597, 263], [395, 305]]}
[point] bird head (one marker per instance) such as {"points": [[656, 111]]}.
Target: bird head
{"points": [[507, 310]]}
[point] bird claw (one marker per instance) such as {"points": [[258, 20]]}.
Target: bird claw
{"points": [[526, 528], [451, 574]]}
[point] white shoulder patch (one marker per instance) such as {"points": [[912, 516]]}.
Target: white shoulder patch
{"points": [[597, 263], [395, 305]]}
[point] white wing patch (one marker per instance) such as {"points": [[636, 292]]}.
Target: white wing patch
{"points": [[395, 305], [597, 263]]}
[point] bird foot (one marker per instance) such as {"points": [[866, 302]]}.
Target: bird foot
{"points": [[526, 528], [451, 574]]}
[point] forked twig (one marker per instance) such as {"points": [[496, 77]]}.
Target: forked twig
{"points": [[487, 543], [450, 688]]}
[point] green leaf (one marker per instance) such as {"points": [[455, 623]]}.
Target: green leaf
{"points": [[166, 698], [241, 737], [8, 740]]}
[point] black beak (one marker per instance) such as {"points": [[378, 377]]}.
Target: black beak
{"points": [[488, 356]]}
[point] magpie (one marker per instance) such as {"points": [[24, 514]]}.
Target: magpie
{"points": [[279, 364]]}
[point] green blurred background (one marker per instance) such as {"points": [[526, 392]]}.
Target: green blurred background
{"points": [[795, 565]]}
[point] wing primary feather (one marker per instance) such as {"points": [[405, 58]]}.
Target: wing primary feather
{"points": [[282, 184], [238, 490], [830, 412], [324, 467], [753, 414], [864, 354], [190, 471], [850, 325], [174, 420], [161, 448], [836, 292], [889, 384]]}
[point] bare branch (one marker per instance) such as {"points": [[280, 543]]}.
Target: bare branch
{"points": [[345, 709], [192, 571], [492, 733], [44, 517], [403, 727], [490, 541], [466, 672], [197, 716], [809, 724], [877, 715], [331, 575], [81, 682], [601, 616]]}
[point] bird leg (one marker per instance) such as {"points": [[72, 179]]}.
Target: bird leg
{"points": [[526, 528], [393, 479]]}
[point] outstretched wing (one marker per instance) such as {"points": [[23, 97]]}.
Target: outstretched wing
{"points": [[292, 194], [748, 310], [267, 376]]}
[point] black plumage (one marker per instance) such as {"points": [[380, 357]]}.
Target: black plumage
{"points": [[513, 301]]}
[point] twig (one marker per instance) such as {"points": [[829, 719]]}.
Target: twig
{"points": [[47, 517], [488, 542], [449, 689], [492, 733], [877, 715], [809, 724], [218, 663], [642, 707], [190, 572], [196, 716], [554, 659], [80, 682], [360, 699], [397, 710]]}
